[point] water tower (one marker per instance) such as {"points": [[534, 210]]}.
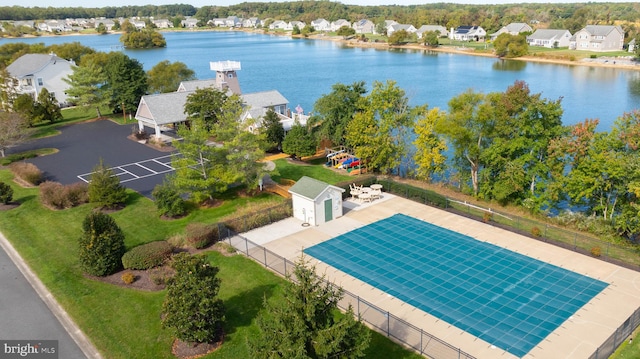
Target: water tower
{"points": [[226, 77]]}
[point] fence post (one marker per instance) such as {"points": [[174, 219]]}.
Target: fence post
{"points": [[285, 267], [388, 324], [421, 336], [246, 246], [608, 245], [458, 353], [264, 250]]}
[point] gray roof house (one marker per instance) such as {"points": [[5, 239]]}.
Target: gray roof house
{"points": [[321, 25], [33, 72], [514, 28], [436, 28], [336, 25], [315, 202], [468, 33], [599, 38], [364, 26], [397, 27], [549, 38]]}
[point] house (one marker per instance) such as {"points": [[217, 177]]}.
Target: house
{"points": [[251, 22], [33, 72], [190, 22], [514, 28], [53, 26], [410, 29], [217, 22], [293, 24], [468, 33], [435, 28], [108, 24], [315, 202], [278, 25], [599, 38], [321, 25], [162, 23], [233, 21], [138, 24], [364, 26], [551, 38], [632, 45], [336, 25]]}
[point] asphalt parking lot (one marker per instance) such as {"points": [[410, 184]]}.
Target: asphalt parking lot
{"points": [[81, 146]]}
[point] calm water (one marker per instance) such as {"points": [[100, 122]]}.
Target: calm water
{"points": [[303, 70]]}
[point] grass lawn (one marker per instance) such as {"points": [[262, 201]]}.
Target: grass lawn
{"points": [[123, 322], [293, 171]]}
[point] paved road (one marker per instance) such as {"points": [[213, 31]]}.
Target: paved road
{"points": [[24, 315], [82, 146]]}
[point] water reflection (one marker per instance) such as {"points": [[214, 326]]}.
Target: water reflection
{"points": [[509, 65], [634, 84]]}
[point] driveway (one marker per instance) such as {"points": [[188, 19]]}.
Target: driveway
{"points": [[81, 146]]}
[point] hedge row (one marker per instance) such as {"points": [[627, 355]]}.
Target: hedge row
{"points": [[200, 235], [147, 256], [58, 196], [27, 172]]}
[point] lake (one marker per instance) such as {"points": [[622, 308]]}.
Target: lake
{"points": [[303, 70]]}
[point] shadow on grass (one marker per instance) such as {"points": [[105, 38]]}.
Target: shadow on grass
{"points": [[244, 307]]}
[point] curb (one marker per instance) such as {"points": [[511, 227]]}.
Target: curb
{"points": [[63, 317]]}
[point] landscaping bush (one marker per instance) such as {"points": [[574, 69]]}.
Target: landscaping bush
{"points": [[27, 172], [56, 195], [101, 245], [596, 251], [200, 235], [259, 216], [6, 193], [168, 200], [147, 255], [536, 232], [105, 189], [160, 275], [128, 277]]}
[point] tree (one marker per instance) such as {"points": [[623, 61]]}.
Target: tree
{"points": [[273, 130], [295, 30], [126, 81], [346, 31], [431, 38], [636, 50], [381, 28], [6, 193], [88, 86], [8, 87], [46, 108], [298, 142], [25, 105], [14, 130], [168, 200], [105, 189], [377, 132], [510, 46], [398, 37], [101, 245], [101, 29], [304, 324], [166, 76], [72, 51], [430, 147], [191, 309], [206, 104], [334, 111], [143, 39]]}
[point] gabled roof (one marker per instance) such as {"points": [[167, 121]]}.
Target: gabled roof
{"points": [[30, 64], [518, 27], [427, 28], [547, 34], [197, 84], [602, 30], [164, 108], [311, 188], [264, 99]]}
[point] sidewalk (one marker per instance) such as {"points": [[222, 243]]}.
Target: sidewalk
{"points": [[30, 312]]}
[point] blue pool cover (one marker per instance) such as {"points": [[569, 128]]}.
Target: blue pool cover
{"points": [[507, 299]]}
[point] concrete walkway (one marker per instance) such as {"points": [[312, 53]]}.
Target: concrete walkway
{"points": [[28, 311]]}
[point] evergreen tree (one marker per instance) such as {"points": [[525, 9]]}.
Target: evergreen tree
{"points": [[127, 82], [273, 130], [305, 325], [101, 245], [88, 86], [192, 310], [105, 189], [46, 108], [168, 200], [298, 142]]}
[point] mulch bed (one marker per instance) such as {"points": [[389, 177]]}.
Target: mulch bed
{"points": [[8, 206], [184, 350]]}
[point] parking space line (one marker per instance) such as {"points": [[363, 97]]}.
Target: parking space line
{"points": [[148, 169], [85, 177], [133, 174]]}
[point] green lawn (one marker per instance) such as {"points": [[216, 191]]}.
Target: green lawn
{"points": [[288, 170], [123, 322]]}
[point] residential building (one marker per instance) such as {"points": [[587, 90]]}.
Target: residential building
{"points": [[233, 21], [321, 25], [189, 22], [468, 33], [397, 27], [292, 24], [364, 26], [631, 46], [33, 72], [162, 23], [339, 23], [251, 22], [599, 38], [278, 25], [514, 28], [108, 24], [551, 38], [436, 28]]}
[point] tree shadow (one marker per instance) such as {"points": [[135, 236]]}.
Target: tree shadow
{"points": [[244, 307]]}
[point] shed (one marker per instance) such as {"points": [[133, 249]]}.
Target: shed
{"points": [[316, 202]]}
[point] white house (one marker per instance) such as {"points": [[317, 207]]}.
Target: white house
{"points": [[599, 38], [336, 25], [364, 26], [410, 29], [321, 25], [292, 24], [279, 25], [33, 72], [435, 28], [468, 33], [632, 45], [316, 202], [550, 38], [513, 28]]}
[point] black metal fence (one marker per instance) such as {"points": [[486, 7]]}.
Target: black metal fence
{"points": [[381, 320], [621, 334]]}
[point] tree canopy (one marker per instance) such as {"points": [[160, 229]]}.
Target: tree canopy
{"points": [[166, 76]]}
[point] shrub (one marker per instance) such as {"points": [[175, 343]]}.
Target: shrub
{"points": [[168, 200], [27, 172], [55, 195], [487, 217], [593, 56], [128, 277], [147, 255], [105, 189], [536, 232], [101, 245], [6, 193], [160, 275], [596, 251], [200, 235], [139, 134]]}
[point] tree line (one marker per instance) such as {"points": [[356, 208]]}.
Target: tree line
{"points": [[16, 13]]}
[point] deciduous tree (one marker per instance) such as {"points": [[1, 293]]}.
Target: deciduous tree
{"points": [[510, 46], [126, 80], [273, 130], [166, 76], [430, 147], [14, 130], [298, 142]]}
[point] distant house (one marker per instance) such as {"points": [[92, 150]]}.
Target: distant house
{"points": [[339, 23], [139, 24], [54, 26], [397, 27], [162, 23], [550, 38], [364, 26], [108, 24], [251, 22], [321, 25], [435, 28], [599, 38], [278, 25], [631, 46], [514, 28], [217, 22], [468, 33], [233, 21], [293, 24], [189, 22], [33, 72], [316, 202]]}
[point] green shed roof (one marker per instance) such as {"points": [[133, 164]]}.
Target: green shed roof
{"points": [[311, 188]]}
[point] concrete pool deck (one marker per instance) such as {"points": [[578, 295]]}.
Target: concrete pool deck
{"points": [[577, 337]]}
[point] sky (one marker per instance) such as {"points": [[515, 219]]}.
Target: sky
{"points": [[200, 3]]}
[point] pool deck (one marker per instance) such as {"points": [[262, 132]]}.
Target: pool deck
{"points": [[578, 337]]}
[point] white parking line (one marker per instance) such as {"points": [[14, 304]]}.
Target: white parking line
{"points": [[121, 171]]}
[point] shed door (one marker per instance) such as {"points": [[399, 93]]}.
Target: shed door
{"points": [[328, 210]]}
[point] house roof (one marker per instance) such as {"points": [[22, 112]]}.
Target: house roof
{"points": [[264, 99], [427, 28], [30, 64], [197, 84], [518, 27], [311, 188], [547, 34], [163, 109], [602, 30]]}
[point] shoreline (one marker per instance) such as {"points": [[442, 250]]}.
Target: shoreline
{"points": [[602, 61]]}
